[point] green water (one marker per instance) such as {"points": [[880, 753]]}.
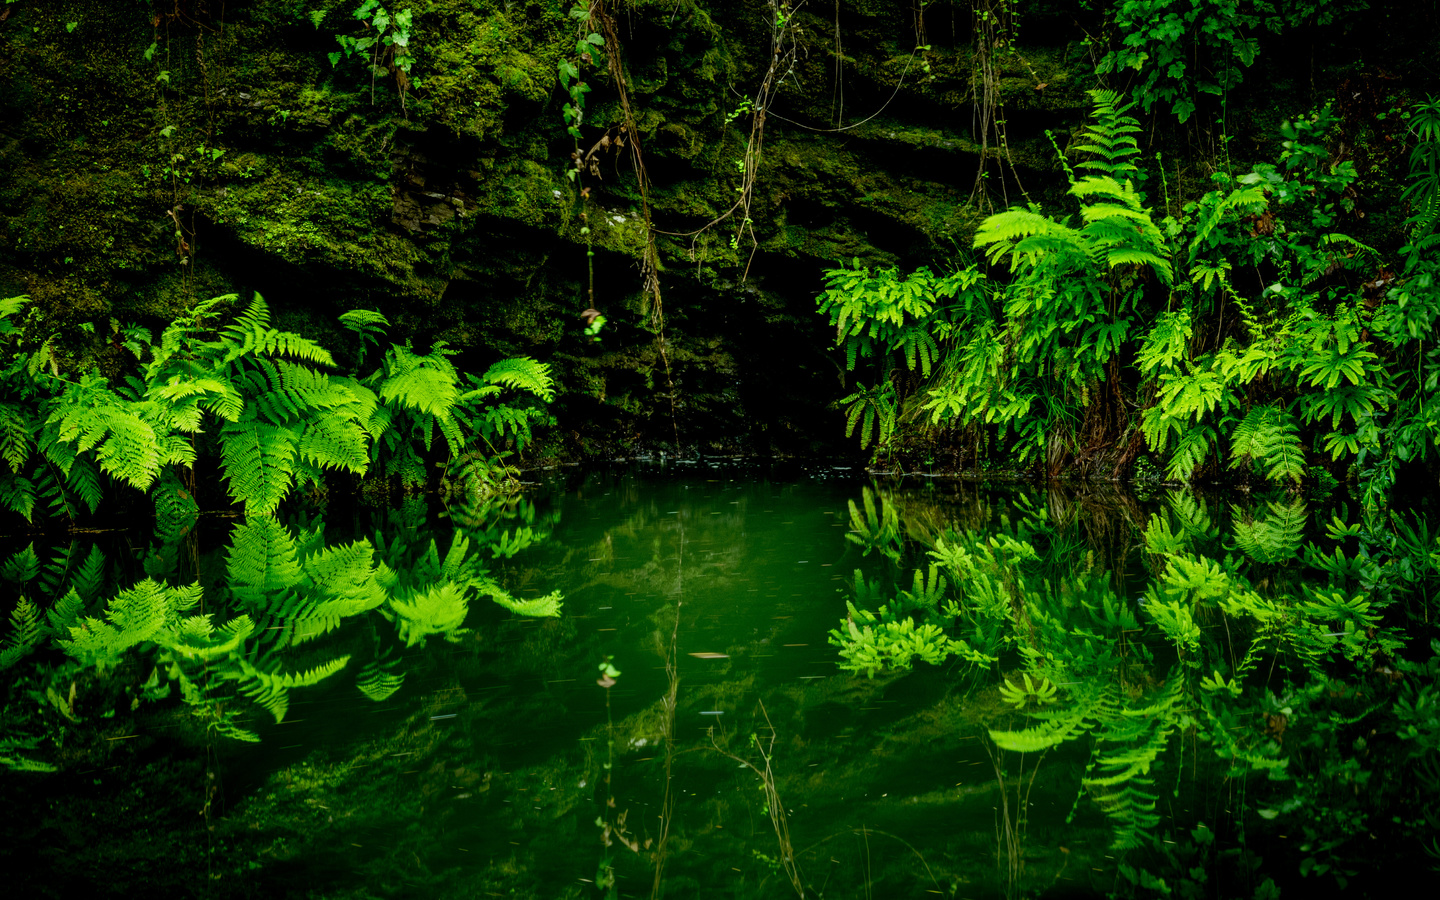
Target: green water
{"points": [[504, 768]]}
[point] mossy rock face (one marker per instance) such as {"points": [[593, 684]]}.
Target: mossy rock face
{"points": [[157, 153]]}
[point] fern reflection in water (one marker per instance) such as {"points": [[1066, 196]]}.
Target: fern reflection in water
{"points": [[1222, 623], [285, 590]]}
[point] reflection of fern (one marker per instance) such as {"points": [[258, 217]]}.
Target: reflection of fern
{"points": [[379, 678], [877, 530], [1127, 744], [1128, 739], [1274, 537]]}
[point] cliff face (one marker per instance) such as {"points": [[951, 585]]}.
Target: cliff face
{"points": [[163, 151]]}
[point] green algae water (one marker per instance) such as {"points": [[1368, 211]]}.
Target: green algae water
{"points": [[688, 726]]}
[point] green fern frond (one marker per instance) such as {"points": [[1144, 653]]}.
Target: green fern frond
{"points": [[132, 617], [427, 390], [1190, 451], [16, 436], [22, 566], [1269, 437], [548, 605], [1110, 135], [251, 335], [83, 480], [175, 509], [195, 638], [334, 441], [438, 610], [364, 321], [65, 614], [1166, 343], [1275, 537], [524, 374], [378, 680], [18, 495], [258, 460], [270, 687], [261, 561], [26, 632]]}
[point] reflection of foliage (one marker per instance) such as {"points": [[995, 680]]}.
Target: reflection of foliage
{"points": [[277, 622], [1273, 670], [877, 530]]}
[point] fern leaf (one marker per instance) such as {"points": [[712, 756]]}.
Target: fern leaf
{"points": [[259, 462], [438, 610], [66, 613], [22, 566], [175, 509], [548, 605], [426, 390], [261, 561], [194, 638], [26, 632], [335, 441], [523, 373], [378, 680], [18, 495], [364, 321], [1268, 436], [16, 431]]}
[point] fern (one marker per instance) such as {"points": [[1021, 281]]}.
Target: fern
{"points": [[26, 632], [270, 688], [261, 561], [22, 566], [132, 617], [1272, 538], [1269, 437], [176, 511], [258, 461], [876, 529], [378, 680], [523, 374], [16, 435], [871, 413], [548, 605], [195, 638], [1110, 136], [438, 610]]}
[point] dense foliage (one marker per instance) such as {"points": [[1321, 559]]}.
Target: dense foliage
{"points": [[1245, 333], [222, 381]]}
